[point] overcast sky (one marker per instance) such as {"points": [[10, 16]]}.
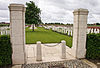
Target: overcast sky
{"points": [[56, 10]]}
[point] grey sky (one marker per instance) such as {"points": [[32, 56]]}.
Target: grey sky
{"points": [[56, 10]]}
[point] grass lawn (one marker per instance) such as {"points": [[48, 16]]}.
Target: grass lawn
{"points": [[94, 25], [46, 36], [4, 25]]}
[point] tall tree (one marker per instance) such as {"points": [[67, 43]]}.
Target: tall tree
{"points": [[32, 15]]}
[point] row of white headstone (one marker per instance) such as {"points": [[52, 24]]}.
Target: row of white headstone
{"points": [[91, 30], [64, 30], [4, 31], [69, 30], [32, 26]]}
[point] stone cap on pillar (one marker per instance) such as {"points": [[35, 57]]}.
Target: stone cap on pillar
{"points": [[81, 11], [16, 7]]}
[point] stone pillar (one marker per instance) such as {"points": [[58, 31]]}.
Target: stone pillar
{"points": [[17, 28], [79, 33], [38, 52], [63, 46]]}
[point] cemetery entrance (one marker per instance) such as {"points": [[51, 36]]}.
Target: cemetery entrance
{"points": [[40, 53]]}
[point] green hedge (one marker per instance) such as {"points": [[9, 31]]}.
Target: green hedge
{"points": [[5, 50], [93, 46]]}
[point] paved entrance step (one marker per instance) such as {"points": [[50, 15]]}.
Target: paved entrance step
{"points": [[58, 64]]}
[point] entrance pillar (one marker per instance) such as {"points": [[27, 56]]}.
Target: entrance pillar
{"points": [[79, 33], [17, 35]]}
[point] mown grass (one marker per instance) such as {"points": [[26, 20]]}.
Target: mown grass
{"points": [[94, 25], [46, 36], [4, 25]]}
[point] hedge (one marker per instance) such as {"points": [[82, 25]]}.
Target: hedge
{"points": [[5, 50], [93, 46]]}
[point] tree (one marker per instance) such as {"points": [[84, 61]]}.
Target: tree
{"points": [[97, 23], [32, 15]]}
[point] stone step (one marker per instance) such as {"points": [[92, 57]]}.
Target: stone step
{"points": [[58, 64]]}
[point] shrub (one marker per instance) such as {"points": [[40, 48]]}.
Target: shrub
{"points": [[93, 46], [5, 50]]}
